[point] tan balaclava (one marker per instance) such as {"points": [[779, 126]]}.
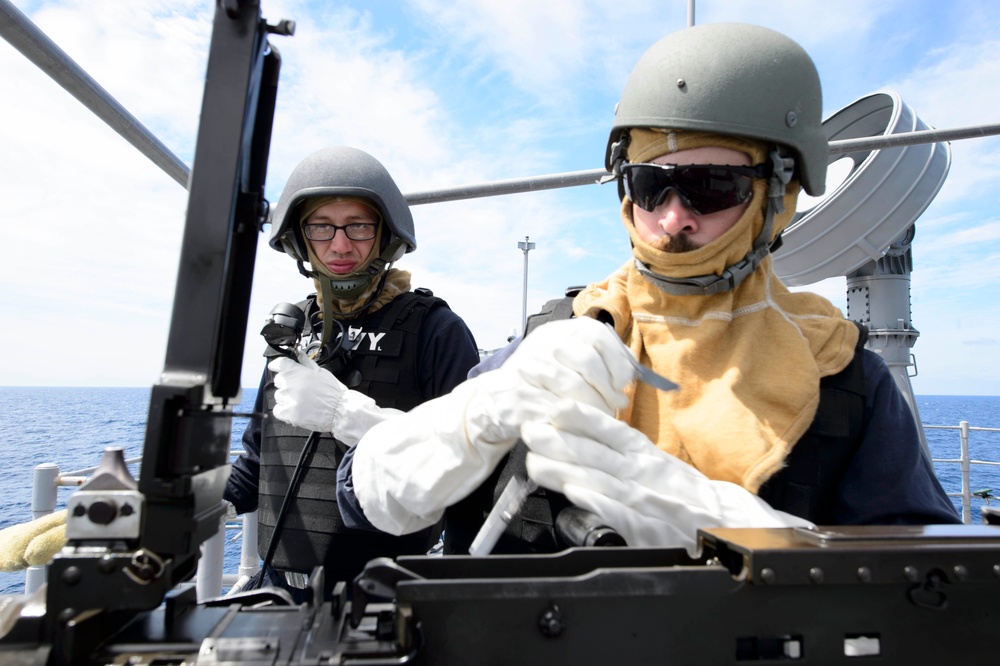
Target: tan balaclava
{"points": [[748, 360], [397, 281]]}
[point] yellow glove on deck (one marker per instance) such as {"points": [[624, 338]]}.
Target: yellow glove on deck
{"points": [[32, 543]]}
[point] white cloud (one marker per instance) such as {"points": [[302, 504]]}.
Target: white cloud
{"points": [[444, 94]]}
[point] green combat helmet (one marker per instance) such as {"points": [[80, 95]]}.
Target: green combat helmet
{"points": [[728, 78], [737, 80], [349, 172]]}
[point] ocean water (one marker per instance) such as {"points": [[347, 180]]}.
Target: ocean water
{"points": [[980, 412], [71, 426]]}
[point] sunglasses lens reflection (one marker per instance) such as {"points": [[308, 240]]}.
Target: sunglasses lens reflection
{"points": [[702, 188]]}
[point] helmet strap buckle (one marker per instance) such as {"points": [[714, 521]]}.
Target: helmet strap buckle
{"points": [[783, 168], [618, 149]]}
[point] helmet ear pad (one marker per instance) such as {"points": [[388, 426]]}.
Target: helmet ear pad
{"points": [[395, 247], [299, 242]]}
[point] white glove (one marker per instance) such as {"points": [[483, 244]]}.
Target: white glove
{"points": [[310, 397], [409, 469], [651, 498], [576, 359]]}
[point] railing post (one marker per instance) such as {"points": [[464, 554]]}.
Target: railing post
{"points": [[44, 490], [249, 559], [209, 577], [963, 430]]}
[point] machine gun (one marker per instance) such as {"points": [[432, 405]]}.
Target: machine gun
{"points": [[895, 595], [130, 544]]}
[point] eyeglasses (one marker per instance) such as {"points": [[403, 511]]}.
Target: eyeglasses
{"points": [[701, 188], [325, 232]]}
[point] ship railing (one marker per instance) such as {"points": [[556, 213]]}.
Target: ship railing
{"points": [[211, 578], [966, 463]]}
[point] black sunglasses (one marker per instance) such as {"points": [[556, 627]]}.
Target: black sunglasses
{"points": [[701, 188]]}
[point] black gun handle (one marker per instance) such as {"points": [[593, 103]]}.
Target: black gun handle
{"points": [[579, 527]]}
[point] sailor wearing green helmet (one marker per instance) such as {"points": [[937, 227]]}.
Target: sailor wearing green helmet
{"points": [[782, 418]]}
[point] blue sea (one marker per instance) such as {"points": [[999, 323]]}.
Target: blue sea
{"points": [[71, 426]]}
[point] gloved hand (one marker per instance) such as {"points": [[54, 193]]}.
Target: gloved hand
{"points": [[310, 397], [32, 543], [650, 497], [408, 469], [581, 360], [307, 395]]}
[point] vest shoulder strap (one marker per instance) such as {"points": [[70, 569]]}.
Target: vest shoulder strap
{"points": [[808, 484], [554, 310], [401, 307], [392, 378]]}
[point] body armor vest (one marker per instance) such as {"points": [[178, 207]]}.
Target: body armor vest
{"points": [[382, 364]]}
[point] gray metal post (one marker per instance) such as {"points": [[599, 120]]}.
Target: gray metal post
{"points": [[963, 429], [35, 45], [249, 558], [208, 578], [526, 247], [878, 296], [44, 491]]}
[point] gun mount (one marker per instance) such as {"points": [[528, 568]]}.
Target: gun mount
{"points": [[116, 594], [900, 595], [119, 563]]}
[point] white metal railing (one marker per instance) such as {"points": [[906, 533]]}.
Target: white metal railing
{"points": [[211, 578], [966, 463]]}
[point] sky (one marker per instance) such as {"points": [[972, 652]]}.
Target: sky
{"points": [[444, 93]]}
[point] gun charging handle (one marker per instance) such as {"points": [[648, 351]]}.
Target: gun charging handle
{"points": [[579, 527]]}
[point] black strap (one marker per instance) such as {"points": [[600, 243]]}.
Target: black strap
{"points": [[396, 318], [293, 484], [554, 310]]}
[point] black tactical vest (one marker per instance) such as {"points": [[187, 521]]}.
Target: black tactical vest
{"points": [[383, 365], [806, 486]]}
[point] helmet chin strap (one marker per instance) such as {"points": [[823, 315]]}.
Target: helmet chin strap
{"points": [[732, 276], [354, 285]]}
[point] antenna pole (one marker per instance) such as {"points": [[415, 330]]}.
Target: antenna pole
{"points": [[526, 247]]}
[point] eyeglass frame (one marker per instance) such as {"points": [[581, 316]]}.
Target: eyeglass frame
{"points": [[339, 227]]}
